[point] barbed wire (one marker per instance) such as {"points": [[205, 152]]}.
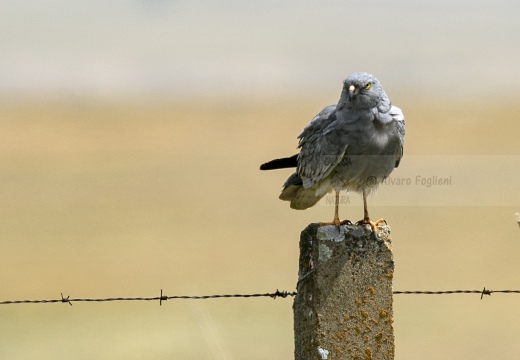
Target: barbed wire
{"points": [[161, 298], [447, 292], [274, 295]]}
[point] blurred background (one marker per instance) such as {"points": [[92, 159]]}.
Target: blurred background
{"points": [[131, 133]]}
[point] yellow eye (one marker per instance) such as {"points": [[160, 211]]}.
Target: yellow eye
{"points": [[367, 86]]}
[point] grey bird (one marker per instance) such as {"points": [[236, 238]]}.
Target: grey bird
{"points": [[353, 145]]}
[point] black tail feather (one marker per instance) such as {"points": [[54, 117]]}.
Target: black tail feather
{"points": [[288, 162]]}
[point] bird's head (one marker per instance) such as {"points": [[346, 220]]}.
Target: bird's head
{"points": [[361, 90]]}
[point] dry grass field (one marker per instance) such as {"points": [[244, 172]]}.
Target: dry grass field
{"points": [[120, 200]]}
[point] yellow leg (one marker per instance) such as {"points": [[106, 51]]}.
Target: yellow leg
{"points": [[366, 218], [336, 214]]}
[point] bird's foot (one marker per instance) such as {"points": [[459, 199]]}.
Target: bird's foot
{"points": [[336, 223], [372, 224]]}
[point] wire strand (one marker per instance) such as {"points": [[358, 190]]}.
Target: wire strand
{"points": [[161, 298], [274, 295]]}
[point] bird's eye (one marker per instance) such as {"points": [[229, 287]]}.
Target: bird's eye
{"points": [[367, 86]]}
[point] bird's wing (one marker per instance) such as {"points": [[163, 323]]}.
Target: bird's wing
{"points": [[398, 117], [321, 147]]}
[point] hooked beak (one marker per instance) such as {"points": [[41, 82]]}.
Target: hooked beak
{"points": [[351, 93]]}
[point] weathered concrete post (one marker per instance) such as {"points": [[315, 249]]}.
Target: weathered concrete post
{"points": [[343, 309]]}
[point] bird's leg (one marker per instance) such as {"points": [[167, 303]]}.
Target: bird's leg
{"points": [[336, 210], [366, 218], [336, 213]]}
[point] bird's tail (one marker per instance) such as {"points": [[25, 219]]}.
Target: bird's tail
{"points": [[282, 163], [293, 189], [300, 197]]}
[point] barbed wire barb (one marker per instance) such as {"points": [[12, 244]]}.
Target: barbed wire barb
{"points": [[65, 299], [485, 292], [162, 298]]}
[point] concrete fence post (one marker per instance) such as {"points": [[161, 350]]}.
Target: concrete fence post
{"points": [[343, 309]]}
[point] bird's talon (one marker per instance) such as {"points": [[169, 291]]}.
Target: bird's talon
{"points": [[372, 224], [335, 222], [381, 221]]}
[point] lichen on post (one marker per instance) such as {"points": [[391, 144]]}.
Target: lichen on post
{"points": [[343, 309]]}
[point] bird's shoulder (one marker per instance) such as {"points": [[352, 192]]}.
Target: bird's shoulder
{"points": [[390, 115], [396, 113], [318, 124], [398, 118]]}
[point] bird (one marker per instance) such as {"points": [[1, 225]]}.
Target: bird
{"points": [[353, 145]]}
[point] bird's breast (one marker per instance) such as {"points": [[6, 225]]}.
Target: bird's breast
{"points": [[380, 139]]}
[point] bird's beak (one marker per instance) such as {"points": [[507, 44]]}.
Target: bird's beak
{"points": [[351, 90]]}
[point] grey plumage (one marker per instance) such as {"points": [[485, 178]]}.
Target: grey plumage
{"points": [[353, 145]]}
